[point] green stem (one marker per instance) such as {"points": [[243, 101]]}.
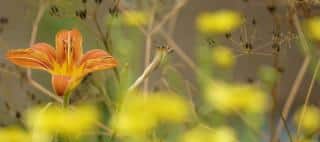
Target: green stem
{"points": [[66, 99]]}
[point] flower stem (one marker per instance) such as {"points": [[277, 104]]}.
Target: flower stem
{"points": [[66, 99]]}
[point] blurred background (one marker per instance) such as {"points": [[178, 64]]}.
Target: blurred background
{"points": [[263, 20]]}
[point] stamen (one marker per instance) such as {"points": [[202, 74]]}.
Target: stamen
{"points": [[69, 48]]}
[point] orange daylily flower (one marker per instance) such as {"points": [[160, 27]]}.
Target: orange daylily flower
{"points": [[66, 63]]}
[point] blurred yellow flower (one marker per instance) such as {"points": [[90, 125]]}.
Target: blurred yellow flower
{"points": [[312, 27], [250, 99], [228, 98], [12, 134], [224, 134], [134, 123], [135, 18], [310, 119], [139, 114], [198, 134], [268, 75], [168, 107], [133, 118], [218, 22], [219, 95], [223, 57], [204, 134], [56, 119]]}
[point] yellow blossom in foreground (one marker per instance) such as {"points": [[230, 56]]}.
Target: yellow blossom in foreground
{"points": [[201, 134], [219, 95], [228, 98], [250, 99], [11, 134], [135, 18], [63, 121], [223, 57], [312, 27], [133, 118], [219, 22], [139, 114], [133, 123], [310, 119], [168, 107], [224, 134], [198, 134]]}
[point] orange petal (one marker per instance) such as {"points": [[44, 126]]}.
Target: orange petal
{"points": [[97, 60], [68, 46], [46, 49], [63, 84], [60, 84], [39, 56]]}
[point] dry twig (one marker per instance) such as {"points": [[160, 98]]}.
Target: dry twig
{"points": [[160, 55]]}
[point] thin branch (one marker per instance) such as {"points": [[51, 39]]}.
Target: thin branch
{"points": [[302, 71], [152, 30], [42, 89], [105, 38], [147, 59], [283, 120], [108, 131], [303, 42], [276, 104], [42, 7], [148, 45], [160, 54], [292, 94], [179, 51], [169, 15], [306, 101]]}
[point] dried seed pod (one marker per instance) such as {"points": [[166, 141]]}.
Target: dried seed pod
{"points": [[98, 1], [211, 42], [18, 115], [2, 125], [54, 11], [271, 8], [254, 22], [276, 47], [7, 105], [114, 11], [4, 20], [228, 35], [280, 69], [82, 14], [248, 45], [250, 80]]}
